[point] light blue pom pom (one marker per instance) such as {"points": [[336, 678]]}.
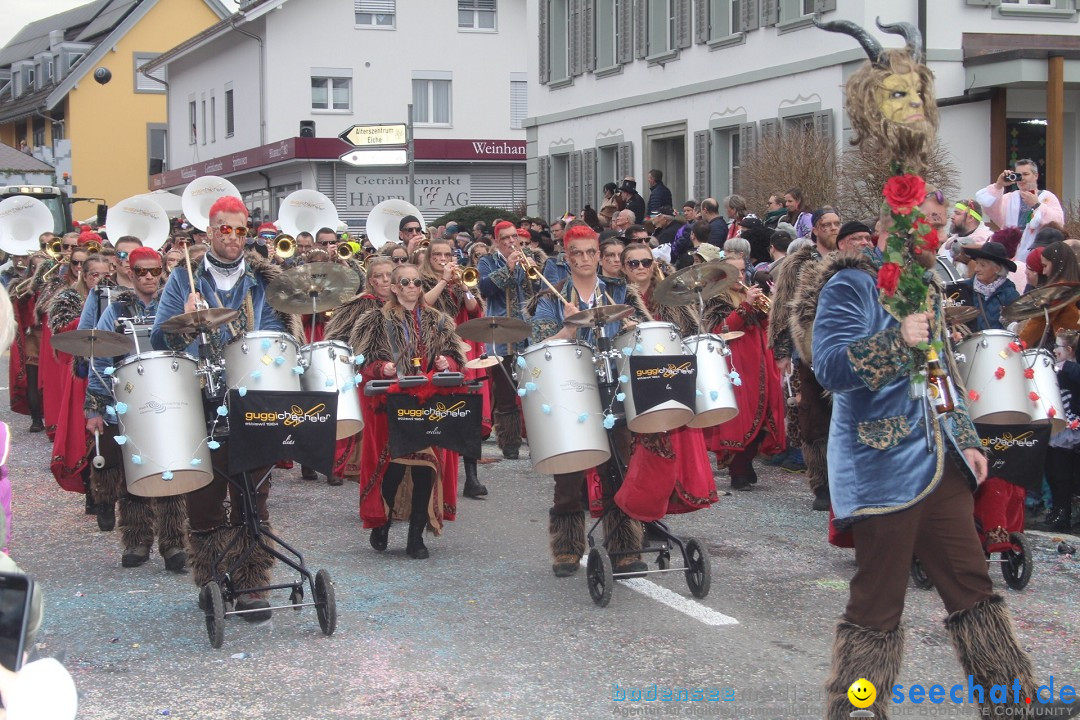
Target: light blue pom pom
{"points": [[213, 444], [520, 362], [530, 386], [329, 382], [266, 344], [195, 462], [620, 396], [713, 395], [698, 393], [256, 374], [222, 410], [735, 379], [521, 392], [638, 348], [546, 409], [121, 408], [609, 421], [120, 439], [110, 370], [298, 370], [627, 351], [359, 359], [167, 475], [279, 360], [242, 391], [136, 459], [582, 417], [110, 411], [357, 380], [624, 379]]}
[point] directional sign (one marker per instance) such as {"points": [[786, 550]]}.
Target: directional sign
{"points": [[363, 158], [368, 135]]}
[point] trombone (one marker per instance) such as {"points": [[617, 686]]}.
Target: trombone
{"points": [[532, 272], [55, 249]]}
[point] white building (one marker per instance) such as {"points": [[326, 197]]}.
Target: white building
{"points": [[618, 87], [261, 98]]}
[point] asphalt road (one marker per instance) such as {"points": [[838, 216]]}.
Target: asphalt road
{"points": [[482, 628]]}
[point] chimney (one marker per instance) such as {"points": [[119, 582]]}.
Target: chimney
{"points": [[55, 38]]}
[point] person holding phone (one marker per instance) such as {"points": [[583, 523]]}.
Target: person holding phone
{"points": [[1026, 207]]}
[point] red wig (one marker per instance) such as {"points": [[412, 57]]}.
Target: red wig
{"points": [[503, 224], [523, 233], [143, 253], [87, 237], [578, 232], [228, 204]]}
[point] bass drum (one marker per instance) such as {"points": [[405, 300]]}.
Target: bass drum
{"points": [[165, 452], [263, 360], [565, 391], [651, 338], [329, 367], [715, 399], [1043, 391], [992, 372]]}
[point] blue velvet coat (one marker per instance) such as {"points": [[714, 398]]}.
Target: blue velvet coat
{"points": [[878, 455]]}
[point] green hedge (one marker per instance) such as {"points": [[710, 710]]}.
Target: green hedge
{"points": [[467, 216]]}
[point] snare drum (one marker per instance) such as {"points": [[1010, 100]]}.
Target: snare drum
{"points": [[566, 387], [715, 400], [329, 368], [996, 401], [651, 338], [263, 361], [1044, 384], [164, 424]]}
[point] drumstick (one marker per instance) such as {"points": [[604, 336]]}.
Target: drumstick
{"points": [[191, 275]]}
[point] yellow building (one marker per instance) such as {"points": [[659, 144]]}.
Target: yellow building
{"points": [[70, 90]]}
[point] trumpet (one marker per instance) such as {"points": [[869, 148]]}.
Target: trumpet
{"points": [[348, 250], [284, 246], [93, 247], [532, 272], [55, 249], [469, 277], [763, 304]]}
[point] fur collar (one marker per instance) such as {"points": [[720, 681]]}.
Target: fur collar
{"points": [[345, 320], [65, 307], [378, 332], [787, 275], [803, 306]]}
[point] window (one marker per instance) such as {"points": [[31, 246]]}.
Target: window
{"points": [[331, 93], [558, 39], [476, 14], [157, 142], [608, 26], [559, 185], [202, 107], [661, 26], [194, 136], [213, 118], [144, 84], [431, 100], [726, 148], [800, 124], [375, 13], [38, 132], [1027, 2], [230, 123], [723, 18], [43, 69], [795, 9], [519, 102]]}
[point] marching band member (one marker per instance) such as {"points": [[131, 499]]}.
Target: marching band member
{"points": [[93, 308], [51, 368], [225, 278], [506, 290], [25, 394], [584, 289], [668, 472], [404, 337], [444, 291], [141, 518]]}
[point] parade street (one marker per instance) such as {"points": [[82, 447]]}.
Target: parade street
{"points": [[482, 628]]}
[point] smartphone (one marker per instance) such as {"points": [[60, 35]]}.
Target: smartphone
{"points": [[16, 592]]}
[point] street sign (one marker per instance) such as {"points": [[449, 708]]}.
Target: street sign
{"points": [[363, 158], [368, 135]]}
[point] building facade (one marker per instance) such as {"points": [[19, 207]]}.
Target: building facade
{"points": [[101, 137], [262, 99], [619, 87]]}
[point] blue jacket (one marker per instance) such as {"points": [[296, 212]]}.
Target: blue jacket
{"points": [[548, 318], [97, 394], [878, 455], [659, 197], [990, 308], [497, 285]]}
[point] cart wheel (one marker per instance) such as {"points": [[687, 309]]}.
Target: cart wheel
{"points": [[1018, 562], [663, 560], [698, 569], [919, 576], [325, 605], [215, 613], [296, 597], [598, 575]]}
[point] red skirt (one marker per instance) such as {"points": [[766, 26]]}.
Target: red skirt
{"points": [[668, 473], [72, 444], [53, 367]]}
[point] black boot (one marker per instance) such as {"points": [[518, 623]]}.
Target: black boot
{"points": [[473, 488], [33, 399], [423, 479], [392, 478], [416, 548], [106, 516]]}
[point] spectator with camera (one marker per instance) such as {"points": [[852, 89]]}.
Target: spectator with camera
{"points": [[1026, 207]]}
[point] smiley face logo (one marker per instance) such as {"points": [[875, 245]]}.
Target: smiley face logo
{"points": [[862, 693]]}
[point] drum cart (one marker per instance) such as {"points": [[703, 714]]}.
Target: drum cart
{"points": [[1017, 564]]}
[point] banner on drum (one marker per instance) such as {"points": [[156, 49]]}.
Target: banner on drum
{"points": [[1015, 453], [656, 379], [265, 427], [448, 421]]}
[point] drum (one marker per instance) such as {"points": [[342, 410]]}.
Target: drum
{"points": [[329, 367], [651, 338], [263, 361], [565, 391], [715, 400], [981, 358], [1045, 406], [164, 424]]}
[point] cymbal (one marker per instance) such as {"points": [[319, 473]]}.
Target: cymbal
{"points": [[599, 315], [483, 362], [733, 335], [93, 343], [494, 330], [1050, 297], [199, 320], [960, 314], [708, 279], [327, 284]]}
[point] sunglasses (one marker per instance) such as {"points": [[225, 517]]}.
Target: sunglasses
{"points": [[240, 231], [77, 263], [635, 264], [406, 282], [95, 275], [143, 272], [400, 259], [122, 254], [413, 231], [937, 195], [70, 247]]}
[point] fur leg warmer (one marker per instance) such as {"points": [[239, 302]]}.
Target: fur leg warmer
{"points": [[254, 571], [988, 650], [107, 484], [862, 652], [136, 519], [170, 514], [508, 429], [622, 533], [566, 532], [205, 550], [817, 468]]}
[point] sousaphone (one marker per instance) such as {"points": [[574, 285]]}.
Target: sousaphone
{"points": [[385, 218], [306, 211], [139, 217], [200, 195], [22, 220]]}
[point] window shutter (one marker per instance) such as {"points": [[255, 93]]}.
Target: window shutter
{"points": [[823, 124], [376, 7], [144, 83], [588, 35], [624, 53], [748, 15], [770, 129], [684, 17], [545, 44], [573, 37], [701, 20], [641, 28], [701, 164], [747, 142], [770, 12], [543, 174], [588, 177], [575, 185], [824, 6], [624, 160]]}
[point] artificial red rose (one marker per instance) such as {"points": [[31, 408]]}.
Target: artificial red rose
{"points": [[932, 240], [904, 192], [888, 278]]}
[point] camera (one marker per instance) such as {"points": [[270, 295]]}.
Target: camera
{"points": [[1011, 177]]}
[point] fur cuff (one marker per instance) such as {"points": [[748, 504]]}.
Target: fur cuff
{"points": [[862, 652], [136, 521], [566, 532], [880, 359], [988, 650]]}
